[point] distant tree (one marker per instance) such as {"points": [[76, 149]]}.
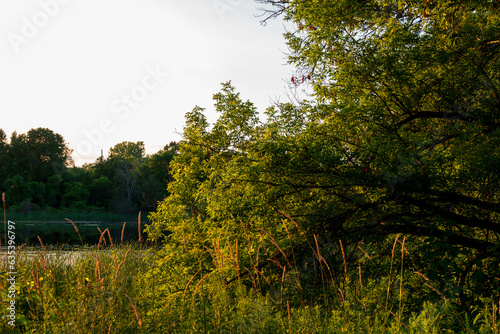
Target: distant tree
{"points": [[127, 151], [37, 155], [49, 151], [17, 190], [53, 191], [19, 161], [75, 196], [125, 159], [155, 176], [37, 193], [100, 192]]}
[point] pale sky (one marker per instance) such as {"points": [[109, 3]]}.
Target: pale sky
{"points": [[103, 72]]}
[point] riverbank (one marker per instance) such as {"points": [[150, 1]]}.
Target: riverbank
{"points": [[77, 232], [75, 215]]}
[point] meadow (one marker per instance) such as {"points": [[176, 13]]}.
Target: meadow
{"points": [[118, 287]]}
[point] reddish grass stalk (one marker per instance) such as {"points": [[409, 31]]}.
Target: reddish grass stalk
{"points": [[199, 283], [101, 238], [76, 229], [189, 282], [139, 228], [343, 257], [119, 266], [139, 321], [109, 235], [289, 319], [123, 230], [43, 248]]}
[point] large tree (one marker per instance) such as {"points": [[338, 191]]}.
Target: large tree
{"points": [[406, 95], [400, 137], [37, 155]]}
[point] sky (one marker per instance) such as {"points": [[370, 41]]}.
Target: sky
{"points": [[103, 72]]}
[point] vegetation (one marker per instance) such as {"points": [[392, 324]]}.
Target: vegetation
{"points": [[119, 289], [37, 175], [372, 207], [396, 151]]}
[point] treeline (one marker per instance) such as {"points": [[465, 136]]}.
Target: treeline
{"points": [[38, 173]]}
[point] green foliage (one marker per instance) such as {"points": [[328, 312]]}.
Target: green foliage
{"points": [[123, 290], [127, 150], [35, 177], [16, 189], [398, 143], [372, 208], [100, 191], [37, 155], [80, 292], [75, 196]]}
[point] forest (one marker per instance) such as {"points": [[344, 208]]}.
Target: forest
{"points": [[372, 206], [38, 176]]}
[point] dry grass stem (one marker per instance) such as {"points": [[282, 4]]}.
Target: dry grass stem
{"points": [[427, 284], [4, 220], [45, 266], [119, 266], [109, 236], [201, 281], [139, 227], [76, 229], [289, 318], [343, 257], [139, 321], [102, 238], [43, 247], [275, 243], [123, 230], [189, 282]]}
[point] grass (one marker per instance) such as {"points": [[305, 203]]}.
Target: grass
{"points": [[94, 291], [113, 290], [116, 287]]}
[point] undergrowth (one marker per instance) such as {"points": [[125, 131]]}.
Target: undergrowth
{"points": [[116, 288]]}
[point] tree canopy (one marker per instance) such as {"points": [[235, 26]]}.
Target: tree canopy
{"points": [[35, 175], [400, 138]]}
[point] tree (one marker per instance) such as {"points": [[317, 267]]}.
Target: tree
{"points": [[155, 176], [100, 192], [38, 155], [125, 159], [408, 94], [17, 190], [75, 196], [400, 139], [127, 150]]}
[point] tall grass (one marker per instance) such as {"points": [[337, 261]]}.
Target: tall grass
{"points": [[271, 296], [105, 292], [89, 291], [257, 287]]}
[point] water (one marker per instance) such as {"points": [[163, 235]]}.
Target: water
{"points": [[64, 257], [63, 232]]}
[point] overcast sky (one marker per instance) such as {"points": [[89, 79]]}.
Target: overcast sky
{"points": [[103, 72]]}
